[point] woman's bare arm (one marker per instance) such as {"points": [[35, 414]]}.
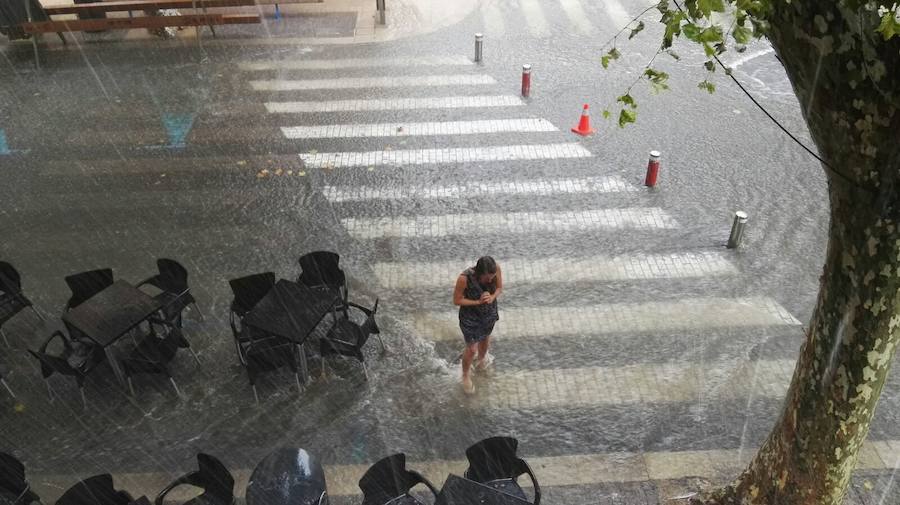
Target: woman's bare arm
{"points": [[458, 296]]}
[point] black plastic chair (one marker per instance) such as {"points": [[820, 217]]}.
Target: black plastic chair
{"points": [[347, 338], [212, 476], [96, 490], [249, 290], [77, 359], [12, 481], [172, 280], [12, 300], [388, 479], [322, 268], [154, 352], [259, 353], [494, 462], [84, 285]]}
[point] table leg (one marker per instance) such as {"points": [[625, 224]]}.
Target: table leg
{"points": [[115, 366], [304, 366]]}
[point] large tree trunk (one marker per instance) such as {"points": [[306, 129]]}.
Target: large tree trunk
{"points": [[846, 80]]}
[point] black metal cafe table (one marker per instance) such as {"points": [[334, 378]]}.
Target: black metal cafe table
{"points": [[111, 314], [292, 311]]}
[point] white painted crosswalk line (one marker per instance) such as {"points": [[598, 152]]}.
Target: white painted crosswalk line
{"points": [[507, 223], [635, 384], [449, 102], [617, 318], [420, 61], [493, 19], [553, 471], [617, 13], [371, 82], [518, 272], [441, 156], [577, 16], [607, 184], [534, 17], [419, 129]]}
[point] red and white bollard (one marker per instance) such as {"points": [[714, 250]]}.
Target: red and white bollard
{"points": [[526, 80], [652, 169]]}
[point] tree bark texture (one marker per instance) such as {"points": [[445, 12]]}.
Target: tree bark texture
{"points": [[847, 79]]}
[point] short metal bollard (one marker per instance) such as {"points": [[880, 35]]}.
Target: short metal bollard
{"points": [[526, 80], [379, 6], [737, 229], [652, 169], [479, 42]]}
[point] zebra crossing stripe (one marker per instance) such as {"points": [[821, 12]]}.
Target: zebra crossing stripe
{"points": [[617, 318], [507, 223], [448, 102], [606, 184], [518, 271], [534, 18], [419, 129], [575, 12], [445, 155], [371, 82], [425, 61], [552, 471]]}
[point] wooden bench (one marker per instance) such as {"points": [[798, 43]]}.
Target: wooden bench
{"points": [[141, 5], [76, 25]]}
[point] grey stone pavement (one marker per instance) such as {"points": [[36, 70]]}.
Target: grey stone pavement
{"points": [[637, 358]]}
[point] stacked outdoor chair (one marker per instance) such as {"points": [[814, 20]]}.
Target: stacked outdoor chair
{"points": [[77, 358], [12, 300], [212, 477], [13, 486], [96, 490], [175, 294], [322, 268], [389, 481], [493, 462], [258, 352], [347, 338], [85, 285]]}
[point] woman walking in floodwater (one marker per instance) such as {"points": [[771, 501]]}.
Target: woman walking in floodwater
{"points": [[476, 295]]}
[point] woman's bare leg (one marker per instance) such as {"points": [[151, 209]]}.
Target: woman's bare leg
{"points": [[468, 357], [483, 348]]}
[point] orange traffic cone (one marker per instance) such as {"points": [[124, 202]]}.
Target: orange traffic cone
{"points": [[584, 126]]}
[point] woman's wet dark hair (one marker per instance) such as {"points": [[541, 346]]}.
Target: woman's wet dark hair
{"points": [[485, 265]]}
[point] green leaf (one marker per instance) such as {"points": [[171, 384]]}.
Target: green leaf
{"points": [[604, 60], [741, 34], [707, 7], [708, 86], [626, 116], [708, 49], [711, 34], [673, 54], [637, 29], [658, 80], [889, 26], [710, 65], [606, 114], [663, 6], [673, 21], [691, 31], [626, 99], [613, 54]]}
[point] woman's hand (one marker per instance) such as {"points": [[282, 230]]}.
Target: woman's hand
{"points": [[486, 298]]}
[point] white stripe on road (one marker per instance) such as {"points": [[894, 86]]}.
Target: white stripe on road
{"points": [[534, 17], [577, 16], [635, 384], [617, 12], [608, 184], [418, 129], [449, 102], [371, 82], [507, 223], [749, 57], [552, 471], [404, 275], [494, 25], [448, 155], [429, 61], [617, 318]]}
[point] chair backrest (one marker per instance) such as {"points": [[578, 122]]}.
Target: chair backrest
{"points": [[84, 285], [12, 475], [387, 480], [321, 268], [53, 364], [96, 490], [214, 478], [249, 290], [173, 277], [493, 459], [370, 326], [10, 281]]}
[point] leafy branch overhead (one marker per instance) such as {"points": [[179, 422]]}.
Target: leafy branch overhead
{"points": [[719, 25]]}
